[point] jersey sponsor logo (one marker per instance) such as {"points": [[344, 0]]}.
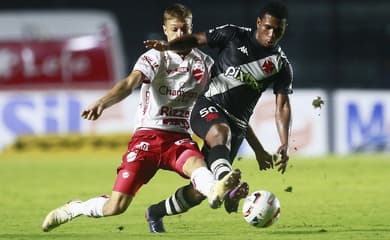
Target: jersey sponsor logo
{"points": [[166, 91], [178, 69], [181, 115], [245, 77], [183, 123], [268, 67], [244, 50], [233, 72], [171, 112]]}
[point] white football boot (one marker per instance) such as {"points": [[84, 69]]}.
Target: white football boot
{"points": [[58, 216], [222, 187]]}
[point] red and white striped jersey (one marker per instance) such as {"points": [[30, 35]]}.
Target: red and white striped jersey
{"points": [[170, 88]]}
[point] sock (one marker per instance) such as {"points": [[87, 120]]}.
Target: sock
{"points": [[203, 180], [91, 208], [218, 160], [181, 201]]}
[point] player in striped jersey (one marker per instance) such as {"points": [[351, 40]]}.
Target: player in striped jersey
{"points": [[248, 62]]}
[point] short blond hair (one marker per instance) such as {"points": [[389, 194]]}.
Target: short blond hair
{"points": [[178, 11]]}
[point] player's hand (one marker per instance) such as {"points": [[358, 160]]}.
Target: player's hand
{"points": [[282, 162], [93, 112], [264, 159], [159, 45]]}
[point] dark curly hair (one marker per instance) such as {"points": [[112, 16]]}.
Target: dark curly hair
{"points": [[275, 9]]}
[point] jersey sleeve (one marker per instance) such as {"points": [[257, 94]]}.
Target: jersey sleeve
{"points": [[148, 63], [283, 83], [220, 36]]}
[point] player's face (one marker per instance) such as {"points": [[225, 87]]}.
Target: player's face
{"points": [[174, 28], [270, 30]]}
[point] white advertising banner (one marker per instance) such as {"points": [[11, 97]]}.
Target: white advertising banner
{"points": [[58, 112], [309, 135], [361, 121]]}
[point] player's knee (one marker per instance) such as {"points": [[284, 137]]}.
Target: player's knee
{"points": [[218, 134], [189, 161], [192, 164], [114, 210], [116, 206]]}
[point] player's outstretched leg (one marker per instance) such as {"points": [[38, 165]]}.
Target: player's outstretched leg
{"points": [[59, 216], [232, 199], [156, 225], [223, 187]]}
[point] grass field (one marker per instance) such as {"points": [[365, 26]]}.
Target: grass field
{"points": [[332, 198]]}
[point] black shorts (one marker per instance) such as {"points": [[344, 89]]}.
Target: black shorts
{"points": [[205, 114]]}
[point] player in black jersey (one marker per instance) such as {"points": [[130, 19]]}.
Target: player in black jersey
{"points": [[247, 63]]}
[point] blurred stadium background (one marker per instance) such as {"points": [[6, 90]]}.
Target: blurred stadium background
{"points": [[57, 56]]}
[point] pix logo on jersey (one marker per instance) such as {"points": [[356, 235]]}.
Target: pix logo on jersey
{"points": [[245, 77]]}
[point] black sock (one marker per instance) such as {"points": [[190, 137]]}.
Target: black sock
{"points": [[184, 198], [218, 161]]}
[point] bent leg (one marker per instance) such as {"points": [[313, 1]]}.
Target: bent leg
{"points": [[203, 180], [117, 204], [102, 206], [218, 140], [181, 201], [184, 198]]}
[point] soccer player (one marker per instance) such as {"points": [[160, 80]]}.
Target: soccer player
{"points": [[248, 62], [171, 81]]}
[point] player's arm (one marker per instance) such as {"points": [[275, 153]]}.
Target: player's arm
{"points": [[183, 43], [263, 158], [120, 91], [283, 120]]}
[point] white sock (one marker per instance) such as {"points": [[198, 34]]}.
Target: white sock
{"points": [[91, 208], [203, 180]]}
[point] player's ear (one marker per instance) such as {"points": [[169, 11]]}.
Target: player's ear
{"points": [[165, 30], [258, 21]]}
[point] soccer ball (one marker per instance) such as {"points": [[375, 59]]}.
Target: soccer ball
{"points": [[261, 209]]}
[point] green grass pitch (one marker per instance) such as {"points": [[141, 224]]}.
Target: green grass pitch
{"points": [[332, 198]]}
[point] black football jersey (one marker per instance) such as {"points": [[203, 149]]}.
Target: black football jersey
{"points": [[243, 70]]}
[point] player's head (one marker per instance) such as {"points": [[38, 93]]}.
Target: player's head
{"points": [[271, 24], [177, 21]]}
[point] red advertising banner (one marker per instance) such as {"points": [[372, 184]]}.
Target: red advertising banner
{"points": [[62, 61]]}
